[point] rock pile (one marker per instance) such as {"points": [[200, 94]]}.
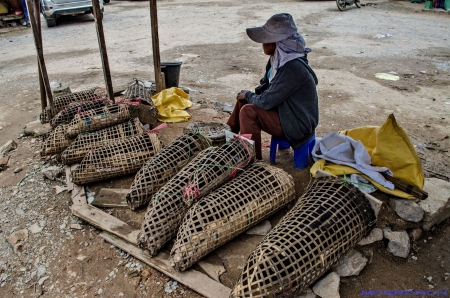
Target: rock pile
{"points": [[38, 231]]}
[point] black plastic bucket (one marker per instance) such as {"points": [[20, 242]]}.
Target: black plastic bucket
{"points": [[171, 72]]}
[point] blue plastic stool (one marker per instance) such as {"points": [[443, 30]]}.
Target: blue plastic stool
{"points": [[301, 154]]}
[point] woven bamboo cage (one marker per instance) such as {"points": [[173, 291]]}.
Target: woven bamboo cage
{"points": [[66, 115], [215, 131], [228, 211], [141, 104], [63, 101], [327, 221], [97, 119], [55, 142], [163, 166], [86, 142], [207, 171], [138, 90], [142, 109], [121, 158]]}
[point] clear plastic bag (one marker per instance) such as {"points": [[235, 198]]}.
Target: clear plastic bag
{"points": [[362, 183]]}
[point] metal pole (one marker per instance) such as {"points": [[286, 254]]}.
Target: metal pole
{"points": [[98, 15], [40, 53], [155, 44]]}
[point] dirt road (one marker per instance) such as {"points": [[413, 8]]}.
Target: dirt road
{"points": [[349, 48]]}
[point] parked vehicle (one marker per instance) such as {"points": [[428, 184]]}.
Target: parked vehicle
{"points": [[52, 9], [342, 4]]}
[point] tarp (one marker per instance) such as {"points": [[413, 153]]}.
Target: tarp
{"points": [[388, 146], [171, 104], [343, 150]]}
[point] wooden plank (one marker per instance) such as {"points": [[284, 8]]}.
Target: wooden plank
{"points": [[11, 17], [212, 270], [78, 194], [155, 46], [69, 182], [39, 49], [111, 197], [191, 278], [98, 15], [106, 222], [37, 17]]}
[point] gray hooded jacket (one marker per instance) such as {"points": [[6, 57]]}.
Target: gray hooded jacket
{"points": [[293, 92]]}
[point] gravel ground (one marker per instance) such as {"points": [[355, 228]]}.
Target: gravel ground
{"points": [[219, 60]]}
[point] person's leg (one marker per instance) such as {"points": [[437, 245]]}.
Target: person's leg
{"points": [[253, 119], [25, 12], [233, 121]]}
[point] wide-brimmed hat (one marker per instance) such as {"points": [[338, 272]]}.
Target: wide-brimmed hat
{"points": [[277, 28]]}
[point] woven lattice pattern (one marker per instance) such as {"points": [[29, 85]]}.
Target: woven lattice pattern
{"points": [[141, 104], [163, 166], [145, 111], [97, 119], [216, 167], [328, 220], [231, 209], [86, 142], [67, 114], [56, 141], [138, 90], [207, 171], [121, 158], [214, 131], [61, 102]]}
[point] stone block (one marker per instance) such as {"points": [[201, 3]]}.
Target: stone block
{"points": [[398, 243], [407, 209], [437, 206], [352, 263], [375, 235], [328, 287]]}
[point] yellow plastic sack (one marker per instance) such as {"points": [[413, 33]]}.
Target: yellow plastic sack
{"points": [[3, 8], [171, 104], [389, 146]]}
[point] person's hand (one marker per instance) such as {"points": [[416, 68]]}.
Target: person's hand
{"points": [[241, 95]]}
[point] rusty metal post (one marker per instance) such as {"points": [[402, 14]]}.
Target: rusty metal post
{"points": [[155, 44], [98, 15]]}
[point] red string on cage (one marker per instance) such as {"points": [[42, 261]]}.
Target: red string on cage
{"points": [[192, 189], [130, 101]]}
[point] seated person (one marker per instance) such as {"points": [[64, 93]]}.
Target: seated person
{"points": [[285, 105]]}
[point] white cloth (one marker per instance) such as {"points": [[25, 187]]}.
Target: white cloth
{"points": [[286, 50], [344, 150]]}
